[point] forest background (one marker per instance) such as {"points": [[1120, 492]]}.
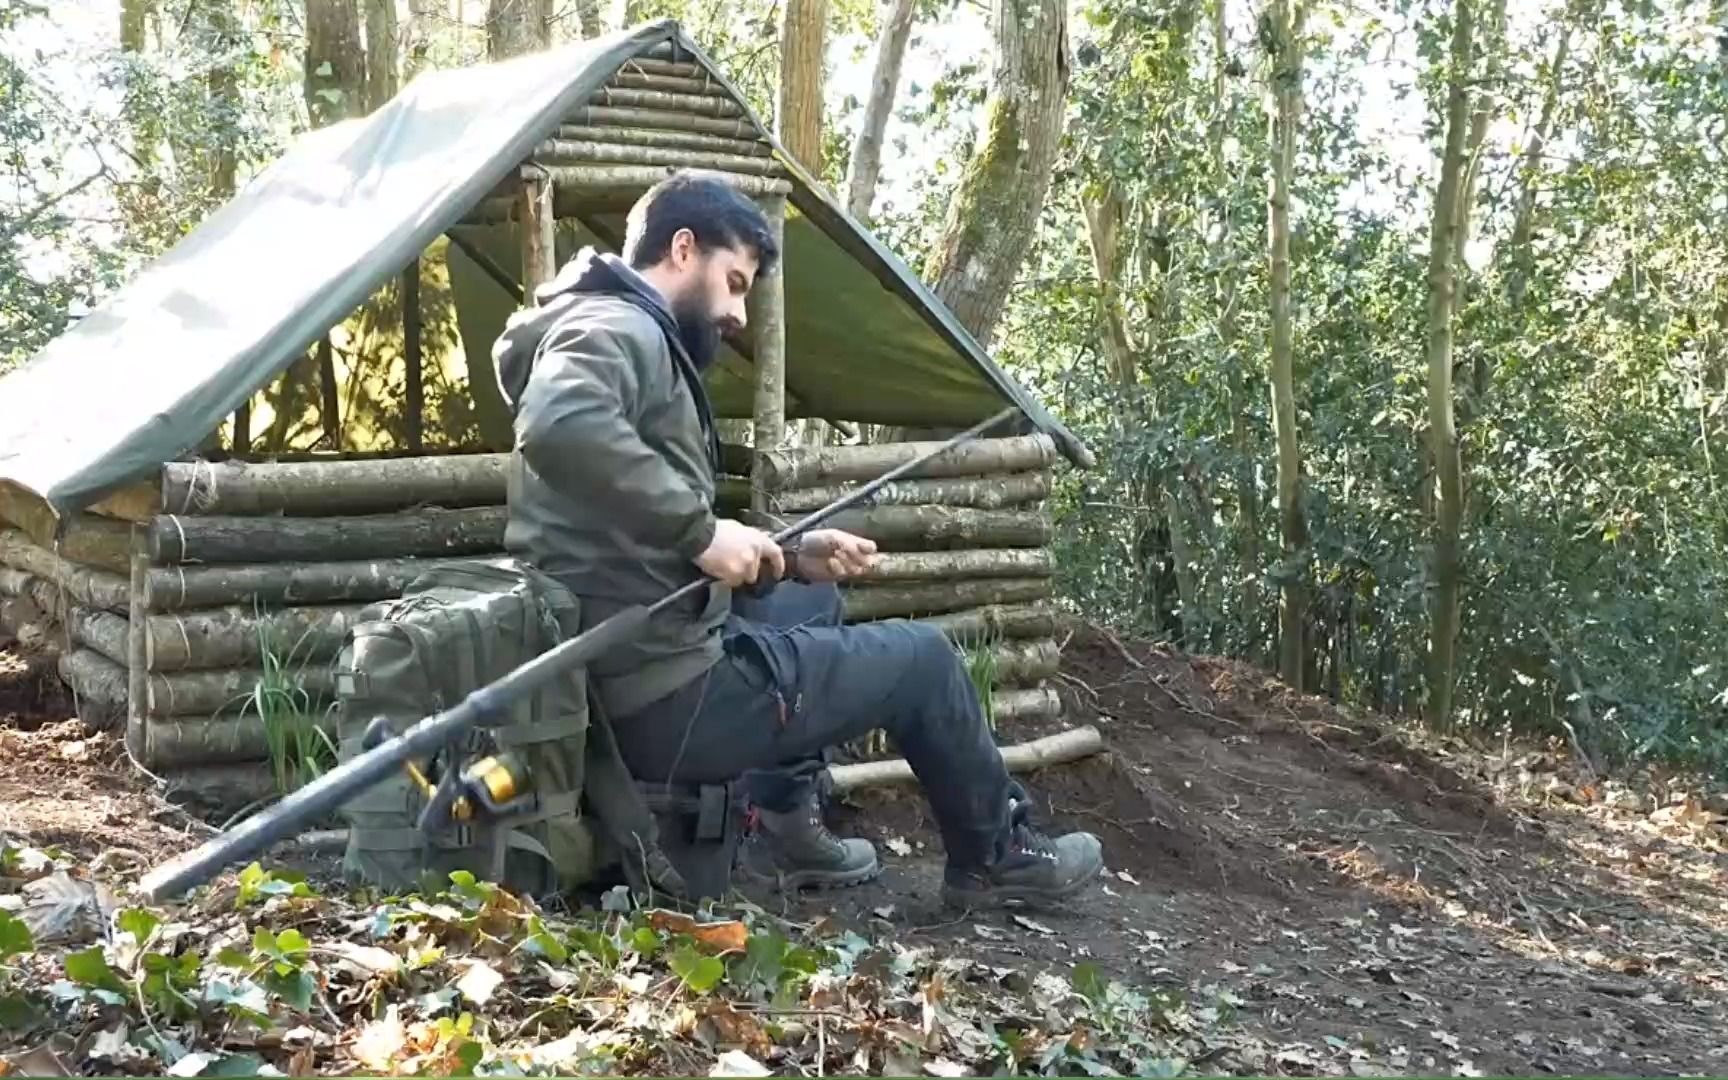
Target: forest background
{"points": [[1399, 327]]}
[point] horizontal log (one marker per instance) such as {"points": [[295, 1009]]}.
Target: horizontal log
{"points": [[954, 565], [1022, 663], [95, 679], [428, 532], [25, 627], [686, 69], [15, 582], [996, 622], [906, 601], [325, 488], [690, 104], [799, 467], [694, 82], [915, 526], [102, 631], [236, 636], [642, 177], [90, 587], [205, 693], [738, 127], [1038, 703], [1057, 749], [134, 502], [176, 588], [981, 492], [183, 741], [585, 151], [683, 140]]}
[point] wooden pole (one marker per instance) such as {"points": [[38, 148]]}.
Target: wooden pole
{"points": [[979, 492], [322, 488], [137, 659], [1057, 749], [329, 406], [539, 255], [934, 598], [430, 532], [416, 404], [243, 427], [179, 588], [812, 465], [237, 636], [767, 314]]}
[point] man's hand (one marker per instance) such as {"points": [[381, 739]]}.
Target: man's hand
{"points": [[832, 555], [737, 553]]}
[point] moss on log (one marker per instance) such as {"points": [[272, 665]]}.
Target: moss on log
{"points": [[175, 588], [236, 636], [584, 152], [996, 622], [683, 140], [979, 492], [910, 527], [954, 565], [429, 532], [100, 630], [205, 693], [92, 588], [325, 488], [217, 740], [905, 601], [799, 467]]}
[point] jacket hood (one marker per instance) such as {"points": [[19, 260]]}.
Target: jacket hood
{"points": [[590, 271]]}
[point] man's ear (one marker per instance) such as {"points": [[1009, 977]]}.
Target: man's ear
{"points": [[683, 247]]}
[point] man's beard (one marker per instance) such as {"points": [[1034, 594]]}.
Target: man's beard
{"points": [[699, 332]]}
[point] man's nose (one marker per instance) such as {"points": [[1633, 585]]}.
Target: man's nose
{"points": [[737, 317]]}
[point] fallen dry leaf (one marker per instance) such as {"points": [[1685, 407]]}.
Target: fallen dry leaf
{"points": [[738, 1063], [898, 846], [191, 1064], [1033, 925], [60, 909], [369, 959], [37, 1061], [479, 982], [381, 1042], [715, 937], [944, 1067]]}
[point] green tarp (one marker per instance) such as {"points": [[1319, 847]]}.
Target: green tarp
{"points": [[147, 375]]}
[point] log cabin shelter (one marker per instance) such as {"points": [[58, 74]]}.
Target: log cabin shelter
{"points": [[516, 164], [319, 349]]}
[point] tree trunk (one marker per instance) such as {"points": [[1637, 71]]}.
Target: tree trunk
{"points": [[335, 62], [993, 215], [382, 49], [141, 115], [1444, 567], [417, 41], [517, 27], [1241, 433], [798, 122], [866, 165], [1103, 210], [1286, 106], [588, 20]]}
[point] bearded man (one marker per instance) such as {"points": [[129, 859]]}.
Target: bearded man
{"points": [[612, 492]]}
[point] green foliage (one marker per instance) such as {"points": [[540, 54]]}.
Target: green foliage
{"points": [[15, 937], [300, 750], [257, 884]]}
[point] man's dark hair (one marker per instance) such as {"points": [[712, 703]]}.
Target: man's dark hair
{"points": [[717, 213]]}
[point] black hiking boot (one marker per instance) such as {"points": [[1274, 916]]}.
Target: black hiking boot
{"points": [[797, 850], [1032, 867]]}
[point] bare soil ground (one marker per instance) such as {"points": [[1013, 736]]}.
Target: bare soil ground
{"points": [[1354, 896]]}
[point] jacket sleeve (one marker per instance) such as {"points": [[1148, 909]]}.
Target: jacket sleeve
{"points": [[576, 430]]}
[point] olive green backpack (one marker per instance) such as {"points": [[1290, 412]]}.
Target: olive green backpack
{"points": [[455, 629]]}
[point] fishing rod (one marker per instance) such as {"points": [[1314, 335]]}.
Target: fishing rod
{"points": [[483, 707]]}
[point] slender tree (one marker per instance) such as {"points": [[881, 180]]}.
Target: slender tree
{"points": [[1445, 571], [383, 49], [335, 61], [1281, 31], [798, 121], [865, 168], [515, 27]]}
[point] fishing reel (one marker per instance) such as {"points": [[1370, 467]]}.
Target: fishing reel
{"points": [[485, 790]]}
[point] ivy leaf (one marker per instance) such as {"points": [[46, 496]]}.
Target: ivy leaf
{"points": [[90, 969], [140, 923], [468, 1056], [699, 972], [15, 937]]}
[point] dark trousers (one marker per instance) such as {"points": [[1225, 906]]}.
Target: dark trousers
{"points": [[794, 682]]}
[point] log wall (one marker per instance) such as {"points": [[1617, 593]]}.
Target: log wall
{"points": [[965, 547]]}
